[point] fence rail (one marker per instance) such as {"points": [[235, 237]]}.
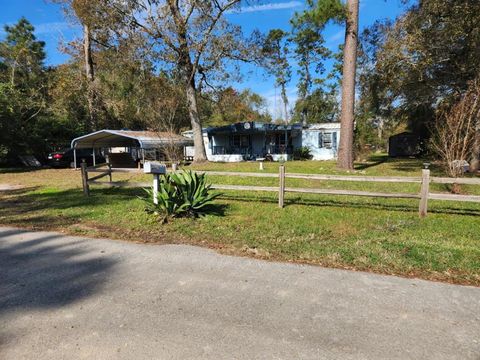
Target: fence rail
{"points": [[424, 194], [102, 169], [355, 178], [352, 192], [460, 181]]}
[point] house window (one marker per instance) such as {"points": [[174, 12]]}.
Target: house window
{"points": [[278, 139], [240, 141], [325, 140]]}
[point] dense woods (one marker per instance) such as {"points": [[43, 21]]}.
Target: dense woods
{"points": [[173, 65]]}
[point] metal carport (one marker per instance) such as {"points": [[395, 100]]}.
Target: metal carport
{"points": [[127, 138]]}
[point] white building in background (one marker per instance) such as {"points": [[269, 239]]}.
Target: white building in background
{"points": [[251, 140]]}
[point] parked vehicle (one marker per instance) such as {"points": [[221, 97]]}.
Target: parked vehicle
{"points": [[65, 158]]}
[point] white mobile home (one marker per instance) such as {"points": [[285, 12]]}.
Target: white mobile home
{"points": [[252, 140]]}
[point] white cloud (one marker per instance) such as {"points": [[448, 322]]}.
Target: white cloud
{"points": [[268, 7], [45, 28], [51, 27]]}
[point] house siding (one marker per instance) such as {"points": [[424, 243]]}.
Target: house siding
{"points": [[308, 137]]}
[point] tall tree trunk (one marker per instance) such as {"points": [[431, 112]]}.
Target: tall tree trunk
{"points": [[199, 146], [12, 74], [90, 75], [285, 103], [345, 151], [188, 71], [306, 91]]}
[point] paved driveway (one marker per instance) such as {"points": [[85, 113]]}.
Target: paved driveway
{"points": [[65, 297]]}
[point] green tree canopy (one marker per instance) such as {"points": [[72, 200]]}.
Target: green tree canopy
{"points": [[317, 91], [230, 106], [23, 90], [276, 51], [421, 62]]}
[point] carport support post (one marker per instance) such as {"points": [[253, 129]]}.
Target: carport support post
{"points": [[156, 180], [109, 171], [281, 190], [75, 158], [94, 160]]}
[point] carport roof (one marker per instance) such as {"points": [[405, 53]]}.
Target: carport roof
{"points": [[127, 138]]}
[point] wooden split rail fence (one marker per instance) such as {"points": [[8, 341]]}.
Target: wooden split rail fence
{"points": [[102, 170], [424, 195]]}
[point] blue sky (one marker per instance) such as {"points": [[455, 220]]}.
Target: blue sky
{"points": [[52, 27]]}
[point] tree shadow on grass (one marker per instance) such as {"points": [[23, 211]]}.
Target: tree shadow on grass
{"points": [[339, 203], [403, 164], [215, 209], [18, 191], [25, 200], [45, 209], [44, 271], [19, 170], [408, 165], [415, 165], [373, 161]]}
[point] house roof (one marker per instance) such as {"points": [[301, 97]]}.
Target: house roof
{"points": [[252, 126], [404, 134], [128, 138], [324, 126]]}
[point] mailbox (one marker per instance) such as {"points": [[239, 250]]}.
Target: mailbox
{"points": [[153, 167]]}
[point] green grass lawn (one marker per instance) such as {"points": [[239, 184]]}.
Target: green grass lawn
{"points": [[380, 235]]}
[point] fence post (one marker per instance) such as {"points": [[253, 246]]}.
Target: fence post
{"points": [[86, 189], [422, 208], [281, 190]]}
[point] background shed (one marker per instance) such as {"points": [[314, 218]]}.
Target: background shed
{"points": [[404, 144]]}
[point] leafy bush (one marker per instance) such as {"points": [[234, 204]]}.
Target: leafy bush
{"points": [[455, 133], [302, 153], [183, 194]]}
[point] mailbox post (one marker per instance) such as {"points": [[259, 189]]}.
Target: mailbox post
{"points": [[156, 169]]}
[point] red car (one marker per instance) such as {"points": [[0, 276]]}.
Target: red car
{"points": [[65, 158]]}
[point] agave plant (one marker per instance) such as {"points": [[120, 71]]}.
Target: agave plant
{"points": [[181, 194]]}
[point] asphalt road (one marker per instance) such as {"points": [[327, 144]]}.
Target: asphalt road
{"points": [[65, 297]]}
